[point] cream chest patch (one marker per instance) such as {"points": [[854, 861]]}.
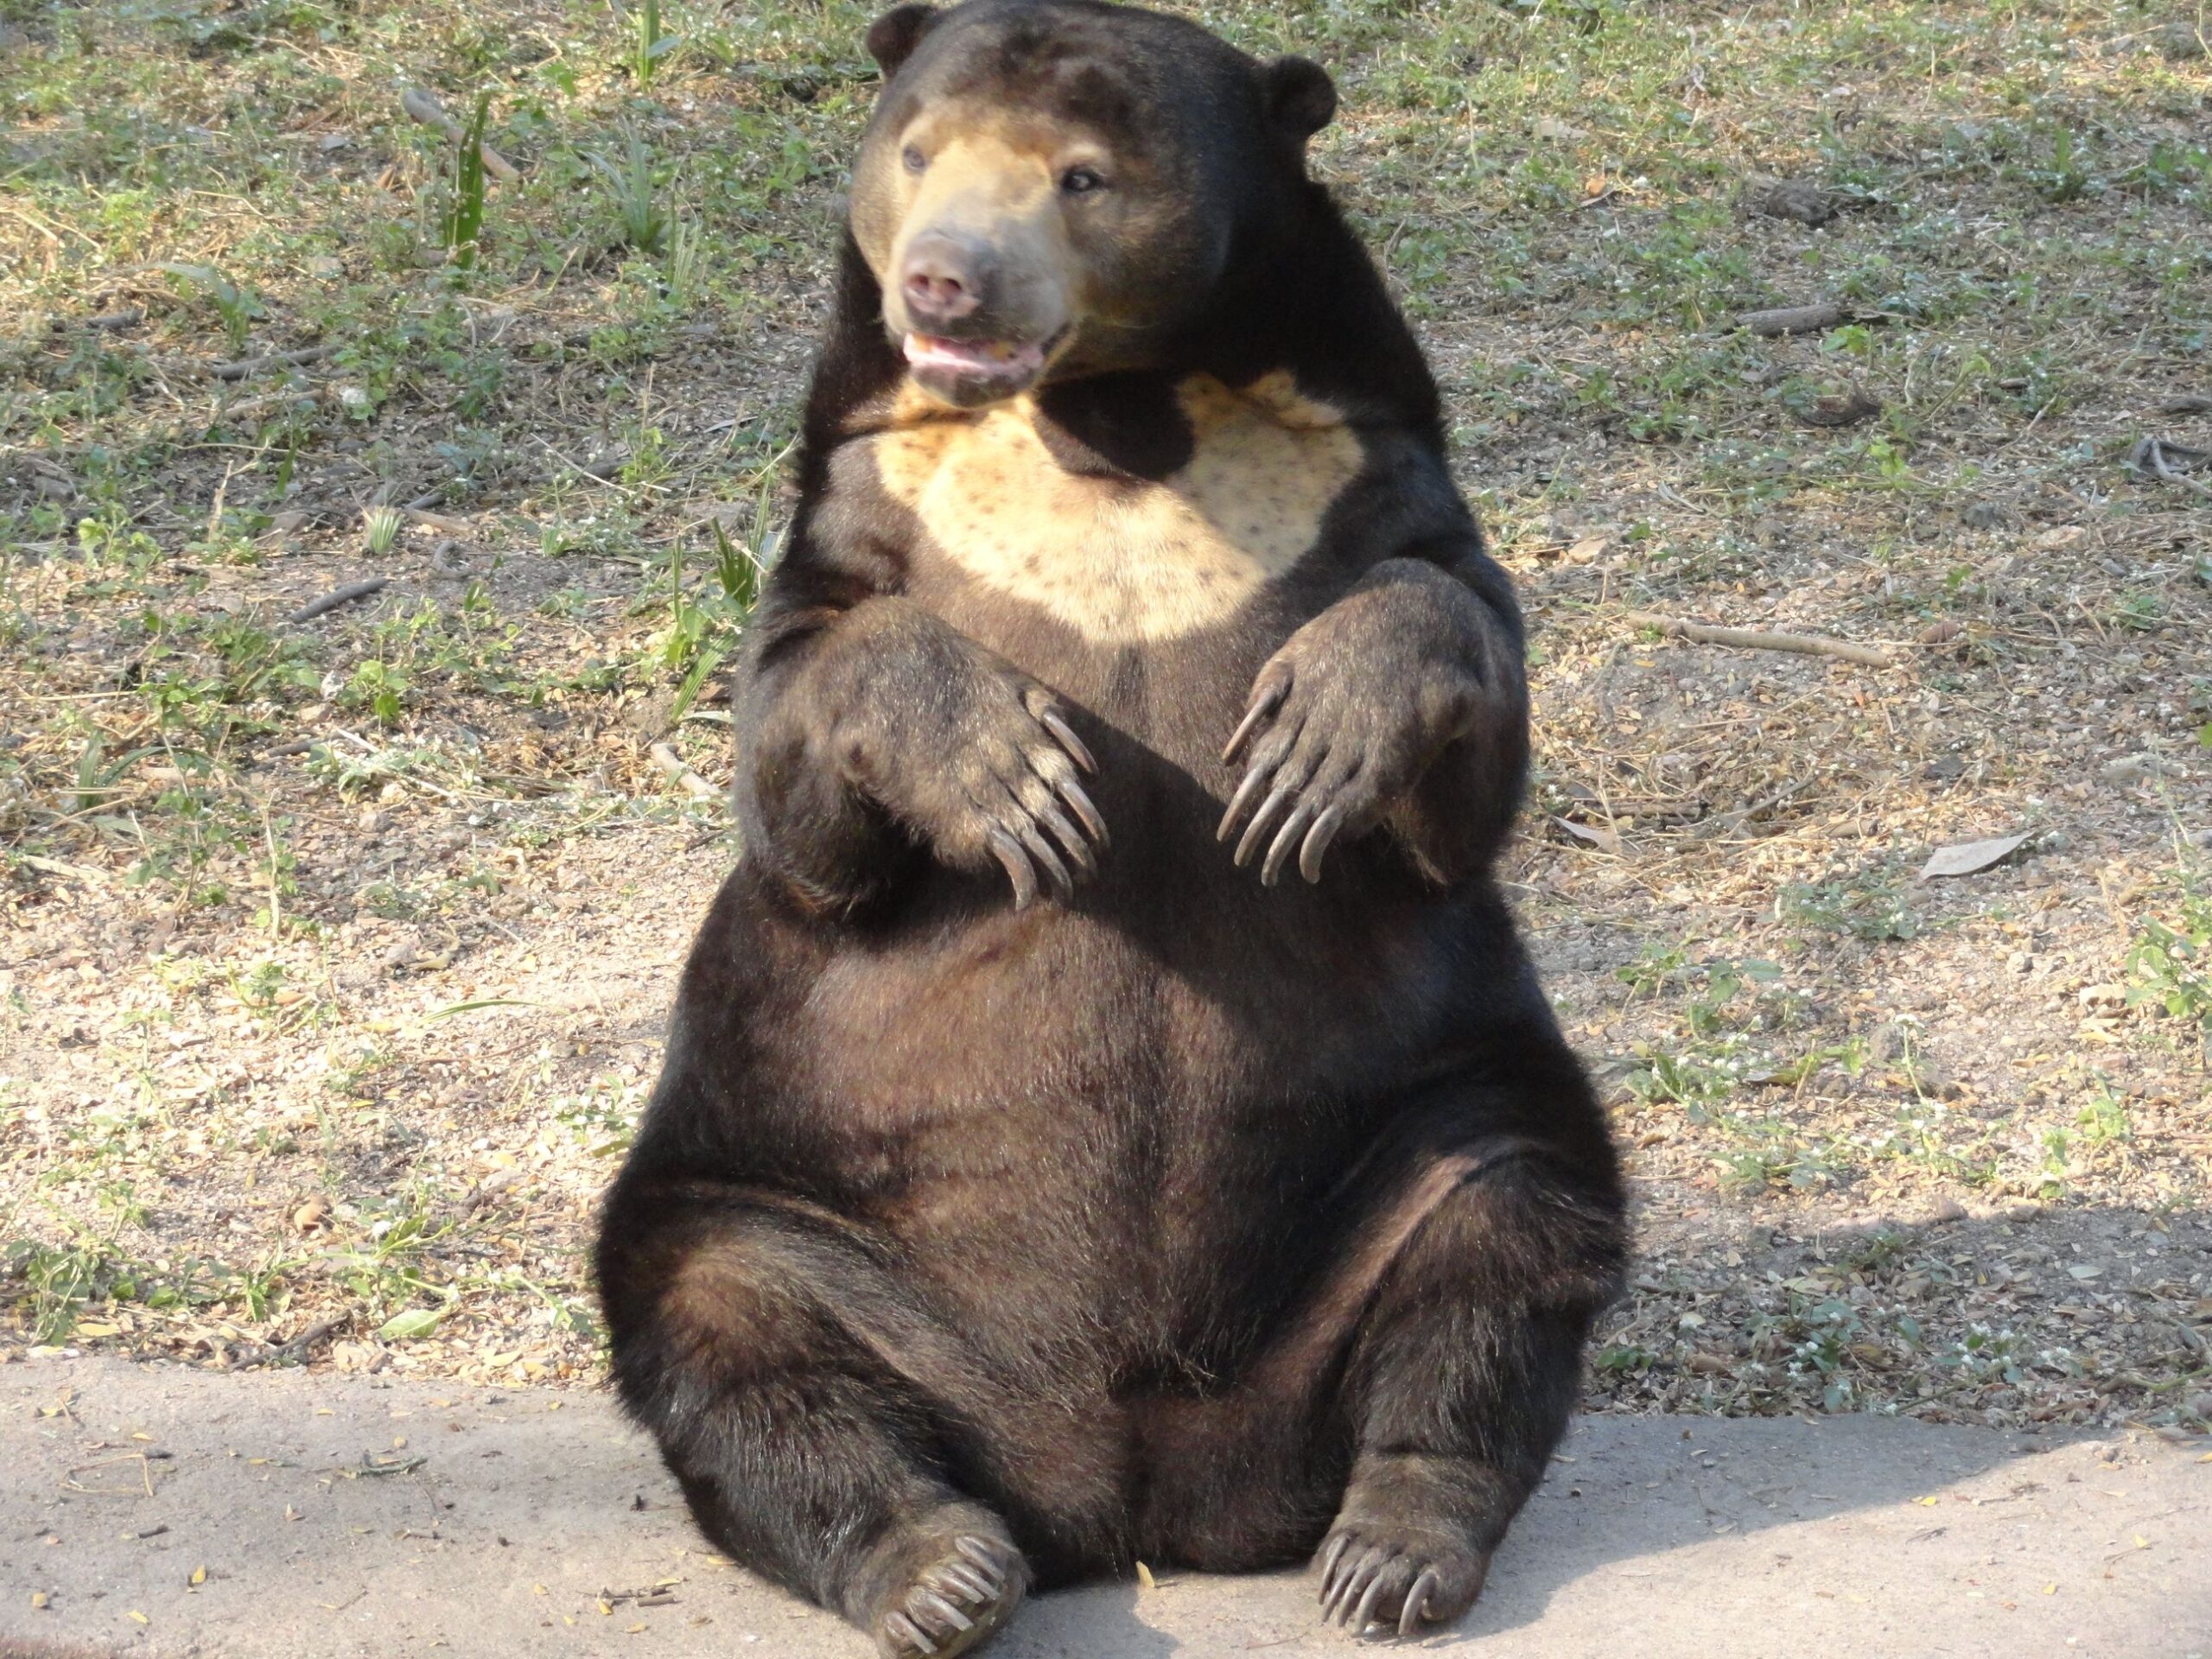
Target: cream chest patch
{"points": [[1122, 562]]}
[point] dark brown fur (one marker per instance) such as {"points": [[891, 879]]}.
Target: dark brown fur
{"points": [[1175, 1214]]}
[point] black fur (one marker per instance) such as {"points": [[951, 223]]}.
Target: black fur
{"points": [[1190, 1218]]}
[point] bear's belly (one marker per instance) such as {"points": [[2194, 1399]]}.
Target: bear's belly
{"points": [[1116, 1116]]}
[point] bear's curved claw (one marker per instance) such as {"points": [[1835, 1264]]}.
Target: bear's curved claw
{"points": [[1265, 701], [1397, 1586], [955, 1603], [1417, 1600], [1063, 733], [1023, 804], [1009, 853]]}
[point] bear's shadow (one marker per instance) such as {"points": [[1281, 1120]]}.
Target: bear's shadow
{"points": [[1622, 1493]]}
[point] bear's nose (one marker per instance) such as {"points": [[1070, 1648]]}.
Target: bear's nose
{"points": [[945, 277]]}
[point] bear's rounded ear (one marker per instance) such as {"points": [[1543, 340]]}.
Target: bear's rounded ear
{"points": [[1301, 98], [894, 36]]}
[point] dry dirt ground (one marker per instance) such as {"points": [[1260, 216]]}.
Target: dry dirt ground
{"points": [[334, 951], [160, 1512]]}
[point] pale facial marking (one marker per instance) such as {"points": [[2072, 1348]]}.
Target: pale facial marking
{"points": [[1124, 563], [986, 185]]}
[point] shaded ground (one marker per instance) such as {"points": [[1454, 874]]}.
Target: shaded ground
{"points": [[333, 955], [161, 1512]]}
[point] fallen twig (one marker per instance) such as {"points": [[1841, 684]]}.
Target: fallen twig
{"points": [[297, 1348], [1805, 645], [59, 867], [1713, 827], [337, 596], [369, 1467], [1795, 319], [246, 367], [2154, 458], [672, 764], [424, 107], [245, 406], [436, 521]]}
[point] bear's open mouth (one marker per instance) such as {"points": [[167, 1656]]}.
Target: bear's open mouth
{"points": [[992, 367]]}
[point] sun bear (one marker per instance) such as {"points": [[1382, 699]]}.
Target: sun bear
{"points": [[1109, 1113]]}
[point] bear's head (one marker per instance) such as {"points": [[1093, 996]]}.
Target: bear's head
{"points": [[1054, 188]]}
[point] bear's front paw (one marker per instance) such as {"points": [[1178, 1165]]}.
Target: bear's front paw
{"points": [[1016, 781], [987, 770], [1333, 741], [1398, 1579]]}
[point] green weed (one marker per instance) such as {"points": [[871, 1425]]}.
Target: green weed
{"points": [[2168, 965], [638, 211], [648, 46], [238, 308], [464, 220]]}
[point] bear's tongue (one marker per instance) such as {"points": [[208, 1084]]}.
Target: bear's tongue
{"points": [[995, 358]]}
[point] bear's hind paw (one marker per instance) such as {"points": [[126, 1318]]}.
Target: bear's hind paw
{"points": [[955, 1602]]}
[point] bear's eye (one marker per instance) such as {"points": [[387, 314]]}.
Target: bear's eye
{"points": [[1081, 181], [914, 159]]}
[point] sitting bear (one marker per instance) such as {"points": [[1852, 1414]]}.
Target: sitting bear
{"points": [[1108, 1114]]}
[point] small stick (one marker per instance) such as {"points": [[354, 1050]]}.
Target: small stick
{"points": [[304, 396], [421, 106], [337, 596], [2153, 450], [246, 367], [1804, 644], [1795, 319], [437, 521], [298, 1348], [673, 763], [58, 867]]}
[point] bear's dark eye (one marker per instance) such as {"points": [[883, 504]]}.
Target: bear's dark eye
{"points": [[1081, 181], [914, 159]]}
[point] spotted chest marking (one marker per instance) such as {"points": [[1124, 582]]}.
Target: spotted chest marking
{"points": [[1123, 562]]}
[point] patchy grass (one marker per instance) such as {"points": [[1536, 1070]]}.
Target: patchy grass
{"points": [[334, 953]]}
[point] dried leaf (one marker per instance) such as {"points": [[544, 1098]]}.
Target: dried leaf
{"points": [[1606, 840], [1970, 857]]}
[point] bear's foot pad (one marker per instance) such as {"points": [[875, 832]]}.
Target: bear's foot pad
{"points": [[955, 1602], [1396, 1582]]}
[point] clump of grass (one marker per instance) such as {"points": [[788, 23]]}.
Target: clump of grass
{"points": [[1872, 905], [686, 265], [380, 527], [238, 306], [648, 46], [2170, 963], [464, 225], [704, 628], [645, 226]]}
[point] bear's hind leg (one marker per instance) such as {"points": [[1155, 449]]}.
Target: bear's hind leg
{"points": [[1459, 1382], [801, 1399]]}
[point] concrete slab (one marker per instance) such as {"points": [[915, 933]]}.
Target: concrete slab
{"points": [[149, 1510]]}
